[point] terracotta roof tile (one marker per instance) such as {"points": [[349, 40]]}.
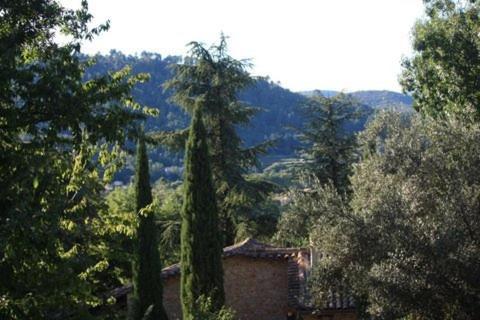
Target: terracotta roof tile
{"points": [[248, 248]]}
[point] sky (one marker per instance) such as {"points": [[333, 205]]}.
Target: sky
{"points": [[304, 45]]}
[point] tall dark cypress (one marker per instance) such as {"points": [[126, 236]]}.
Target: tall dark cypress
{"points": [[147, 282], [201, 243]]}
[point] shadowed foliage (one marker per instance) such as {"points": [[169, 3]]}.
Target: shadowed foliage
{"points": [[201, 245], [147, 283]]}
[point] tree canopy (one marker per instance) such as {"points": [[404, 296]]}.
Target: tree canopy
{"points": [[60, 140], [442, 74], [407, 244]]}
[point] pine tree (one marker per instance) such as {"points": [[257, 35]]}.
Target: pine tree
{"points": [[201, 245], [147, 282], [212, 79], [329, 150]]}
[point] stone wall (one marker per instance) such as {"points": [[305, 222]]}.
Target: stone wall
{"points": [[171, 297], [255, 288]]}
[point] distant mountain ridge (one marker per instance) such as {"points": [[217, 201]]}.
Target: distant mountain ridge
{"points": [[376, 99]]}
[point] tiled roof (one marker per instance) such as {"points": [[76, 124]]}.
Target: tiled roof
{"points": [[253, 248], [248, 248]]}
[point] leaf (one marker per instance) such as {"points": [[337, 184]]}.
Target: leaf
{"points": [[35, 183]]}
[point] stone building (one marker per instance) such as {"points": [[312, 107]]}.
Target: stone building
{"points": [[261, 282]]}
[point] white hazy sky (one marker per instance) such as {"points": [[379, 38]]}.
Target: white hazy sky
{"points": [[304, 44]]}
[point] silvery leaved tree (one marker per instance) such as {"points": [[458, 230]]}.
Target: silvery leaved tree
{"points": [[408, 243]]}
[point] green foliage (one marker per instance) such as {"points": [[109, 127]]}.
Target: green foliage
{"points": [[329, 152], [261, 221], [204, 311], [147, 282], [443, 73], [328, 155], [210, 80], [311, 204], [169, 219], [60, 139], [117, 229], [201, 243], [409, 246]]}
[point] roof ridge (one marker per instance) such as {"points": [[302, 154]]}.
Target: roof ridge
{"points": [[249, 247]]}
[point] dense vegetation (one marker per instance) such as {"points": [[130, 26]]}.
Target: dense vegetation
{"points": [[60, 141], [146, 301], [442, 75], [405, 242], [388, 200]]}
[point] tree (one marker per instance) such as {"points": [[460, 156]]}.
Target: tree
{"points": [[60, 141], [169, 219], [211, 80], [330, 147], [147, 282], [409, 245], [120, 224], [201, 245], [310, 202], [443, 73]]}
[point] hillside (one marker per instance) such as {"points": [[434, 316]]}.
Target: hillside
{"points": [[376, 99], [279, 110]]}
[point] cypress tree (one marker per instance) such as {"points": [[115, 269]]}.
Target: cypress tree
{"points": [[147, 283], [201, 243]]}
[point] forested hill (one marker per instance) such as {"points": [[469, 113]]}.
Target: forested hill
{"points": [[279, 108], [376, 99]]}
